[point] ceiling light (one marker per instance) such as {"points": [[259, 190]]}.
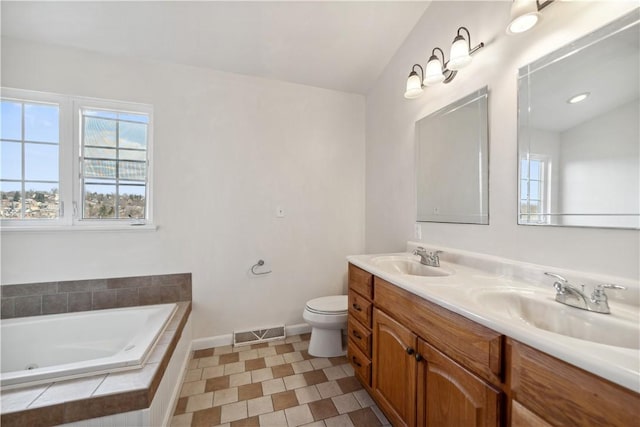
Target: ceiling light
{"points": [[437, 69], [525, 14], [578, 98]]}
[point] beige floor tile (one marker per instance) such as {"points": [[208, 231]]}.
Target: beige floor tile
{"points": [[266, 352], [259, 406], [233, 368], [345, 403], [272, 386], [292, 357], [303, 345], [298, 415], [233, 411], [212, 372], [193, 387], [302, 366], [348, 369], [334, 373], [183, 420], [293, 338], [320, 363], [329, 389], [316, 424], [239, 379], [307, 394], [223, 397], [273, 419], [248, 354], [260, 375], [200, 401], [363, 398], [294, 381], [193, 375], [225, 349], [274, 360], [206, 362]]}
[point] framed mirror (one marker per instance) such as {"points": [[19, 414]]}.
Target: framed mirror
{"points": [[578, 132], [452, 162]]}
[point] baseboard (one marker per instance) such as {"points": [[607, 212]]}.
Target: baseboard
{"points": [[227, 339]]}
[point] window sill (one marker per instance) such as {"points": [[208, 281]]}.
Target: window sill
{"points": [[67, 228]]}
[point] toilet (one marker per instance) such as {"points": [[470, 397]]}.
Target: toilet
{"points": [[327, 317]]}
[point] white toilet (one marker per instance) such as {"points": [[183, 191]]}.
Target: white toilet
{"points": [[327, 317]]}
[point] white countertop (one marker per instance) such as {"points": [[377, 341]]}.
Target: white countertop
{"points": [[456, 293]]}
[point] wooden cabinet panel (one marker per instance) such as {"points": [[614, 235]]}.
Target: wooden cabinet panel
{"points": [[474, 346], [522, 417], [449, 395], [360, 335], [360, 308], [361, 281], [564, 395], [361, 364], [394, 369]]}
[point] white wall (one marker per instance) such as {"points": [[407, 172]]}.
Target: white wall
{"points": [[599, 168], [228, 149], [390, 203]]}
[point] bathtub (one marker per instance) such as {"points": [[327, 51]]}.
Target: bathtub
{"points": [[49, 348]]}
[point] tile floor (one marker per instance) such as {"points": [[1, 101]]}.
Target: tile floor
{"points": [[273, 384]]}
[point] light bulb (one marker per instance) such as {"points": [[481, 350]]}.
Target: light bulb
{"points": [[433, 73], [414, 86], [524, 16], [459, 57]]}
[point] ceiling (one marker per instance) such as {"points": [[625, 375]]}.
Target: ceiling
{"points": [[335, 45]]}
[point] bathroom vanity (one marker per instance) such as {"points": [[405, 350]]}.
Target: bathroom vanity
{"points": [[433, 351]]}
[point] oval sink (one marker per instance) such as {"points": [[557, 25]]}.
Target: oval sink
{"points": [[543, 312], [406, 265]]}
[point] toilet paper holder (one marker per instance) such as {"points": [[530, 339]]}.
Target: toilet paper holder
{"points": [[260, 263]]}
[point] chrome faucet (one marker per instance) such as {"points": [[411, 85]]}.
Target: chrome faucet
{"points": [[569, 295], [432, 259]]}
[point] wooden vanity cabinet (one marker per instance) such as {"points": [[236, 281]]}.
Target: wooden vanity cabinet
{"points": [[415, 379], [546, 391], [359, 323]]}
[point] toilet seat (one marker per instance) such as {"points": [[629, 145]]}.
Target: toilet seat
{"points": [[331, 305]]}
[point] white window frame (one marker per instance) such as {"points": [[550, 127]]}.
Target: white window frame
{"points": [[545, 190], [70, 188]]}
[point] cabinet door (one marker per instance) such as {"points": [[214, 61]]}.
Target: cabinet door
{"points": [[451, 396], [394, 369]]}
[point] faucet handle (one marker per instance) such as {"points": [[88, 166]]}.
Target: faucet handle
{"points": [[611, 286], [418, 250], [599, 295], [560, 284], [436, 253], [557, 276]]}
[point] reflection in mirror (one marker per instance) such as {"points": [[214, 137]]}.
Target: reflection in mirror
{"points": [[452, 162], [578, 132]]}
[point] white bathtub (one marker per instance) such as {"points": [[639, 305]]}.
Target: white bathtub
{"points": [[49, 348]]}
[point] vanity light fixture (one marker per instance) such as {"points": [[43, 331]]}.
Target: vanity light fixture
{"points": [[578, 98], [525, 14], [438, 70]]}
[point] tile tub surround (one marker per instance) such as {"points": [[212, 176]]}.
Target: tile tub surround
{"points": [[96, 396], [35, 299], [274, 384]]}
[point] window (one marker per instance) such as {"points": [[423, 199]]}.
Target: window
{"points": [[534, 199], [30, 141], [88, 154]]}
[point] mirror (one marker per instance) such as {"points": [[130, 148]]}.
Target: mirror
{"points": [[452, 162], [579, 160]]}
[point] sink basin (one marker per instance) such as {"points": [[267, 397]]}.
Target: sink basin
{"points": [[619, 329], [408, 265]]}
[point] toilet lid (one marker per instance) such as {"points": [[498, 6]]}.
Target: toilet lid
{"points": [[328, 305]]}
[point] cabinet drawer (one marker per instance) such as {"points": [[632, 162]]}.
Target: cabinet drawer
{"points": [[563, 395], [477, 347], [361, 281], [360, 336], [361, 364], [360, 308]]}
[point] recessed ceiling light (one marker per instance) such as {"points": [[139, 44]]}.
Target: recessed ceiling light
{"points": [[578, 98]]}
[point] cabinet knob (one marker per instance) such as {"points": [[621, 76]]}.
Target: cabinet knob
{"points": [[419, 357], [357, 335], [356, 307], [355, 362], [410, 351]]}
